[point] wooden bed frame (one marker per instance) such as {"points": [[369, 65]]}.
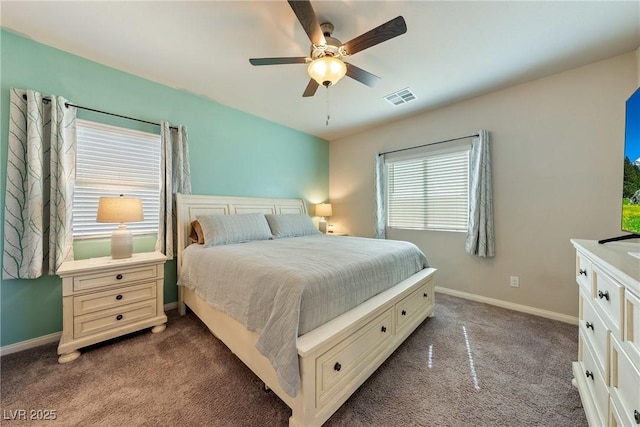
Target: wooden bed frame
{"points": [[335, 358]]}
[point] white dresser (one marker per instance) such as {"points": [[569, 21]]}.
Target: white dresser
{"points": [[607, 373], [103, 298]]}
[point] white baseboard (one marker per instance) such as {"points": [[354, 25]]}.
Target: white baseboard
{"points": [[26, 345], [171, 306], [510, 305], [47, 339]]}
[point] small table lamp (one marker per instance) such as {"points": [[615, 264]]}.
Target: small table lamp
{"points": [[322, 210], [120, 210]]}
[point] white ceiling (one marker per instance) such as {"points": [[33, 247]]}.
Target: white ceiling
{"points": [[452, 50]]}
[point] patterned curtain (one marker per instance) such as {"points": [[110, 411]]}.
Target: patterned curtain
{"points": [[381, 206], [39, 191], [480, 232], [177, 179]]}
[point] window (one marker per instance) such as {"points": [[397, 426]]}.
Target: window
{"points": [[429, 192], [112, 161]]}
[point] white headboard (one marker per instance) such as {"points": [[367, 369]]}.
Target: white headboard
{"points": [[188, 207]]}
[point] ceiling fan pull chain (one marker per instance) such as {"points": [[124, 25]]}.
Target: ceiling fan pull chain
{"points": [[328, 117]]}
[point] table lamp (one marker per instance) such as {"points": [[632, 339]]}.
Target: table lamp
{"points": [[323, 210], [120, 210]]}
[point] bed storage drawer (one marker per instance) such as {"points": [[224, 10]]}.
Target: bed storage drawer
{"points": [[413, 305], [340, 365], [115, 277], [113, 318]]}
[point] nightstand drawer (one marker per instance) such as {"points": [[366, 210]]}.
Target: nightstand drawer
{"points": [[113, 318], [89, 303], [114, 277]]}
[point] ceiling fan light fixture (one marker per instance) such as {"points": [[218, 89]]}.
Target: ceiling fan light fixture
{"points": [[327, 70]]}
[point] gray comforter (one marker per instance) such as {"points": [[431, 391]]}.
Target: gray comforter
{"points": [[283, 288]]}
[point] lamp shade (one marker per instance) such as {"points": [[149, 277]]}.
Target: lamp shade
{"points": [[119, 209], [327, 70], [324, 209]]}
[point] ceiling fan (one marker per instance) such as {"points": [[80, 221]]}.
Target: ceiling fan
{"points": [[326, 62]]}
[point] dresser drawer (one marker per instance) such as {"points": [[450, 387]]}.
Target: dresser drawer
{"points": [[413, 305], [609, 295], [89, 303], [584, 272], [595, 381], [113, 318], [615, 419], [114, 277], [595, 332], [632, 325], [340, 365], [625, 384]]}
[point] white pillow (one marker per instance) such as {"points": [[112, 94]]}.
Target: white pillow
{"points": [[226, 229], [291, 225]]}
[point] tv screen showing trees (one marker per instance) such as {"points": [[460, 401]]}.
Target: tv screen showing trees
{"points": [[631, 183]]}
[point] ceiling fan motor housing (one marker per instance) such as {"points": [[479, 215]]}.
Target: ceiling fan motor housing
{"points": [[332, 47]]}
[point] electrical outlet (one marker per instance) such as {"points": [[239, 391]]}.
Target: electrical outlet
{"points": [[514, 281]]}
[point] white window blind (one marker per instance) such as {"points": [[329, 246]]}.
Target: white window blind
{"points": [[429, 192], [112, 161]]}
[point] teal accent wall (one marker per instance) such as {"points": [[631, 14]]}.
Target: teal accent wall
{"points": [[231, 153]]}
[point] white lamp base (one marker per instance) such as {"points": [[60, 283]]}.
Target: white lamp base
{"points": [[121, 243], [322, 226]]}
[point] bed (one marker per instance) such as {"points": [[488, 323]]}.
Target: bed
{"points": [[319, 359]]}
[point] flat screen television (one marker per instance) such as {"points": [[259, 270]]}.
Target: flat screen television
{"points": [[631, 173]]}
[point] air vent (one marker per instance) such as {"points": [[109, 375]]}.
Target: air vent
{"points": [[401, 97]]}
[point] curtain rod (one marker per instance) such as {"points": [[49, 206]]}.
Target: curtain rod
{"points": [[431, 143], [66, 104]]}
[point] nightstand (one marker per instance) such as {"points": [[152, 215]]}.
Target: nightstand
{"points": [[103, 298]]}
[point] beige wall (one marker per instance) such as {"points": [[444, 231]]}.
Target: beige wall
{"points": [[638, 64], [557, 166]]}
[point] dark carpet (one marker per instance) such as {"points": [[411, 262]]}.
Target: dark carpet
{"points": [[472, 364]]}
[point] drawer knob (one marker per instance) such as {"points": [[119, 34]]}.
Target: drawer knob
{"points": [[383, 329], [119, 317], [583, 272], [119, 277], [604, 295], [119, 297], [636, 416], [589, 374], [404, 312], [590, 325], [337, 367]]}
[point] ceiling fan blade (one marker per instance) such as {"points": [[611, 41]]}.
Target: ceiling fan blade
{"points": [[361, 75], [307, 17], [278, 61], [381, 33], [311, 88]]}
